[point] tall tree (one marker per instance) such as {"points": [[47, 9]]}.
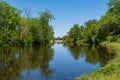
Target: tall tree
{"points": [[46, 29]]}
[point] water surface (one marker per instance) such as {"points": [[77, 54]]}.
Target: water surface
{"points": [[58, 62]]}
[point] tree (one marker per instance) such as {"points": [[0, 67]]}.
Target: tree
{"points": [[9, 20], [46, 29], [110, 22], [74, 32], [15, 29], [24, 32], [91, 30], [112, 3]]}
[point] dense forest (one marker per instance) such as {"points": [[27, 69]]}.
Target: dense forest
{"points": [[107, 29], [16, 29]]}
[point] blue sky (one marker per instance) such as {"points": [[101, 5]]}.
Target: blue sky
{"points": [[66, 12]]}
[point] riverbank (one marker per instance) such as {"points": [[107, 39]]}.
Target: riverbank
{"points": [[111, 71]]}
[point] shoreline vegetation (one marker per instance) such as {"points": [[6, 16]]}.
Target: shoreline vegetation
{"points": [[111, 71]]}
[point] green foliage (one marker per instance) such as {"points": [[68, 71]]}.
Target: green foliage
{"points": [[80, 42], [75, 33], [46, 29], [91, 31], [95, 32], [17, 30], [112, 3], [84, 34], [113, 38], [65, 38], [9, 20], [110, 38], [118, 40]]}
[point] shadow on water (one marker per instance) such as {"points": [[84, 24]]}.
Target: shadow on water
{"points": [[15, 60]]}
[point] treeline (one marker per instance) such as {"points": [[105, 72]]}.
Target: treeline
{"points": [[107, 29], [18, 30]]}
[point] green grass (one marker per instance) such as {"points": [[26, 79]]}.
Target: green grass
{"points": [[111, 71]]}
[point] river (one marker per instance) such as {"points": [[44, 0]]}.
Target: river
{"points": [[59, 62]]}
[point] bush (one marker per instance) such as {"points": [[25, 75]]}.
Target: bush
{"points": [[118, 40], [115, 38], [109, 38], [81, 42]]}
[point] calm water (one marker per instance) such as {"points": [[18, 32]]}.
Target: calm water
{"points": [[59, 62]]}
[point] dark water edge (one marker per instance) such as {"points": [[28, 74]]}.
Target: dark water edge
{"points": [[59, 62]]}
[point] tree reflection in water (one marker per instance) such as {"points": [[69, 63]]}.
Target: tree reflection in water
{"points": [[15, 60], [93, 54]]}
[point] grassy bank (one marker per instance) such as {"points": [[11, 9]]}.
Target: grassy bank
{"points": [[111, 71]]}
